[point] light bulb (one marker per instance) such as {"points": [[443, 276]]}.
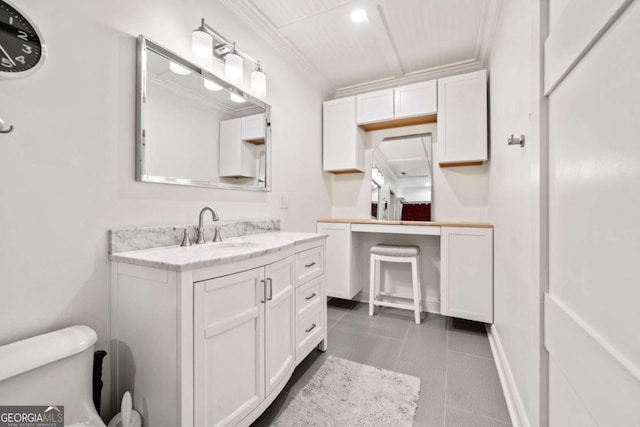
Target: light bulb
{"points": [[358, 15], [179, 69], [237, 98], [211, 85], [233, 68], [258, 83], [201, 46]]}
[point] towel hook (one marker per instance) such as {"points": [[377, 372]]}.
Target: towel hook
{"points": [[2, 127], [514, 140]]}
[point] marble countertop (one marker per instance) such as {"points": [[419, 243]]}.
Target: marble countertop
{"points": [[419, 223], [179, 258]]}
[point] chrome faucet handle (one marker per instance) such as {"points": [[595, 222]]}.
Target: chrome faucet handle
{"points": [[186, 241], [200, 240], [216, 236]]}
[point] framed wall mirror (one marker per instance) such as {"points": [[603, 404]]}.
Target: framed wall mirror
{"points": [[193, 128], [401, 179]]}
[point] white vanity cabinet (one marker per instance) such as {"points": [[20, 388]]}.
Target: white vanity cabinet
{"points": [[342, 140], [237, 157], [253, 128], [340, 278], [467, 273], [215, 345], [462, 119]]}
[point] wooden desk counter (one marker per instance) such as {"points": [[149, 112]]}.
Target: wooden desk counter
{"points": [[415, 223]]}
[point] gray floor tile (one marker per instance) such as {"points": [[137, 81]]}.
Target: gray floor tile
{"points": [[376, 350], [477, 345], [431, 405], [361, 309], [388, 326], [473, 385], [434, 321], [352, 323], [460, 418], [343, 341], [334, 316], [425, 346]]}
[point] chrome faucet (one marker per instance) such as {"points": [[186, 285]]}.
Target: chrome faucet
{"points": [[214, 214]]}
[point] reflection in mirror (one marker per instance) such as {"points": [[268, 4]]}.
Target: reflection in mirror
{"points": [[196, 129], [401, 179]]}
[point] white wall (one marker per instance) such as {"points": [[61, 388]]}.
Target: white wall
{"points": [[515, 201], [67, 171]]}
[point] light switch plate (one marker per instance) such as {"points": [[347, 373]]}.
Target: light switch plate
{"points": [[284, 200]]}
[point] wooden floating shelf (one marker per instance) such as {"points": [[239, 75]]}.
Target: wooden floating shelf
{"points": [[455, 164], [396, 123], [259, 141], [343, 171]]}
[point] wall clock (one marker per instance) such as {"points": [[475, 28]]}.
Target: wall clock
{"points": [[22, 48]]}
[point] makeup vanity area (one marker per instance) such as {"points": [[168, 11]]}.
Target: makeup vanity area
{"points": [[400, 139]]}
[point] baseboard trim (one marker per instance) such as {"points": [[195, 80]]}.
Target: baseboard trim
{"points": [[509, 387]]}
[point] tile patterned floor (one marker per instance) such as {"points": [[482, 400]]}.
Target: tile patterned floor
{"points": [[460, 385]]}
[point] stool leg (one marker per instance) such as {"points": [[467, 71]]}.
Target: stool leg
{"points": [[417, 298], [372, 287]]}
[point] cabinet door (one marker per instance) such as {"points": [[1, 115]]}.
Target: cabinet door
{"points": [[342, 140], [228, 348], [237, 158], [419, 99], [280, 322], [337, 269], [374, 106], [462, 118], [466, 256], [253, 128]]}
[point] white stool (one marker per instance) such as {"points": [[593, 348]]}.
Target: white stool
{"points": [[394, 254]]}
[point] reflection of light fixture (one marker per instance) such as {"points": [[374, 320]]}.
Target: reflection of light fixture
{"points": [[377, 176], [179, 69], [258, 83], [206, 43], [233, 70], [237, 98], [358, 15], [211, 85]]}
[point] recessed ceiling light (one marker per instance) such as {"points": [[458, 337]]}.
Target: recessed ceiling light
{"points": [[358, 15]]}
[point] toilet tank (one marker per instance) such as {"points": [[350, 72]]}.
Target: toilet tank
{"points": [[52, 369]]}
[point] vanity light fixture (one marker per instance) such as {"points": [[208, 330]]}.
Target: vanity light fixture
{"points": [[179, 69], [207, 44], [358, 15], [258, 82], [211, 85]]}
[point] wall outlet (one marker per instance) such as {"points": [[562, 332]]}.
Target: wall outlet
{"points": [[284, 200]]}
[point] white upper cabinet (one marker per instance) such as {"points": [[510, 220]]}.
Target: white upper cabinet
{"points": [[374, 106], [462, 119], [343, 141], [418, 99], [237, 157], [253, 128]]}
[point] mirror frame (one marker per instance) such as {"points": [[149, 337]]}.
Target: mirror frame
{"points": [[143, 44]]}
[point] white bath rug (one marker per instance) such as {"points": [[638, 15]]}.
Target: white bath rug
{"points": [[345, 393]]}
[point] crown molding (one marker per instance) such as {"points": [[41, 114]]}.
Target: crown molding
{"points": [[487, 32], [248, 13], [413, 77]]}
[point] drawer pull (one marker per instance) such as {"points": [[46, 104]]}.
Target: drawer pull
{"points": [[311, 328], [310, 296], [310, 265]]}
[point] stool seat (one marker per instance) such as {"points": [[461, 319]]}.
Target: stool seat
{"points": [[394, 254], [390, 250]]}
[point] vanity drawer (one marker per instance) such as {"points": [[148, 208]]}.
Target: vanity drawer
{"points": [[309, 332], [309, 297], [309, 264]]}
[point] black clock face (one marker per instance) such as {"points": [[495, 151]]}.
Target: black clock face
{"points": [[20, 46]]}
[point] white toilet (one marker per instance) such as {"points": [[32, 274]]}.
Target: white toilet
{"points": [[52, 369]]}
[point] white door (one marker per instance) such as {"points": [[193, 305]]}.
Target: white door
{"points": [[592, 80], [228, 348], [280, 314]]}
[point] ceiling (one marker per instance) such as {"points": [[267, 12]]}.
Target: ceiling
{"points": [[401, 41]]}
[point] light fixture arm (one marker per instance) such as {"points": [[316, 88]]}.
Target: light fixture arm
{"points": [[230, 45]]}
